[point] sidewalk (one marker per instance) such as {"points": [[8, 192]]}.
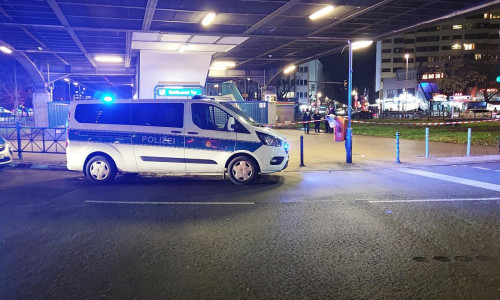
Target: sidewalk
{"points": [[322, 153]]}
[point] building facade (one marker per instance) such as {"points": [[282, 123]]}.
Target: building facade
{"points": [[471, 38], [308, 82]]}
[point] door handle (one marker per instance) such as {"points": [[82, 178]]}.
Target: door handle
{"points": [[192, 132], [176, 131]]}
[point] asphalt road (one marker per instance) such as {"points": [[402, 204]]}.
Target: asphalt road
{"points": [[427, 233]]}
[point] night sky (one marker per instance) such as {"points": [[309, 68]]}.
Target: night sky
{"points": [[336, 69]]}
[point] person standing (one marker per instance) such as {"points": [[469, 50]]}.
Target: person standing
{"points": [[327, 124], [306, 117], [317, 118]]}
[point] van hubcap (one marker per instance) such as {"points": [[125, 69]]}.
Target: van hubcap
{"points": [[99, 170], [242, 170]]}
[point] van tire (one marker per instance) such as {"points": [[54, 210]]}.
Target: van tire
{"points": [[242, 170], [100, 169]]}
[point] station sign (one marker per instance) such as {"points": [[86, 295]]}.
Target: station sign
{"points": [[163, 91]]}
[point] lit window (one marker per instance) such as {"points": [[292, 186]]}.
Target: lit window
{"points": [[457, 47], [477, 56], [457, 26], [486, 15], [469, 46]]}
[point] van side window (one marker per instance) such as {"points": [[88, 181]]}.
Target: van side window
{"points": [[103, 113], [209, 117], [158, 114]]}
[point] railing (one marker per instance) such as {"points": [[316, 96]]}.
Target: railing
{"points": [[35, 139], [24, 121]]}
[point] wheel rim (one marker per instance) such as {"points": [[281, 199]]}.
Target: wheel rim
{"points": [[242, 170], [99, 170]]}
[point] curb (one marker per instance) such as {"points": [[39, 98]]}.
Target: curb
{"points": [[23, 165]]}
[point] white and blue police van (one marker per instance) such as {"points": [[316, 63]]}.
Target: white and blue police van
{"points": [[174, 136]]}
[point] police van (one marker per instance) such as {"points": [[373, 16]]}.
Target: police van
{"points": [[175, 136]]}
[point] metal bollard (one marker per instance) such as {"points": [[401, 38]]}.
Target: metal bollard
{"points": [[469, 137], [19, 149], [302, 151], [348, 146], [426, 142], [397, 148]]}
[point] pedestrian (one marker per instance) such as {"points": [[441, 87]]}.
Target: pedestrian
{"points": [[306, 117], [327, 124], [317, 118]]}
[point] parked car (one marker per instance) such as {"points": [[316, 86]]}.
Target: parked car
{"points": [[5, 152]]}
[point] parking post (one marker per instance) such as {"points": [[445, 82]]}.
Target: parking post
{"points": [[302, 151], [469, 137], [427, 142], [19, 150], [397, 148]]}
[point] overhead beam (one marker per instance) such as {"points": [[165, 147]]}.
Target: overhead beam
{"points": [[55, 7], [271, 16], [3, 12], [124, 30], [324, 28], [148, 14]]}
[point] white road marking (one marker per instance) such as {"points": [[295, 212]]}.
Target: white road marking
{"points": [[497, 170], [169, 203], [433, 200], [475, 183], [480, 168]]}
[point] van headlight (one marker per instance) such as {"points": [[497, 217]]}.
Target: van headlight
{"points": [[269, 140]]}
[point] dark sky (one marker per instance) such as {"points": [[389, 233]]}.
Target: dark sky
{"points": [[336, 69]]}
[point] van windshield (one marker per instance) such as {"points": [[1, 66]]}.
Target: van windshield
{"points": [[240, 114]]}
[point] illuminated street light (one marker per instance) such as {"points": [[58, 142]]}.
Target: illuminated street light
{"points": [[320, 13], [66, 79], [5, 50], [360, 44], [348, 140], [208, 19], [289, 69]]}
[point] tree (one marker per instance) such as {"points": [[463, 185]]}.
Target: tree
{"points": [[7, 85], [461, 75], [284, 85]]}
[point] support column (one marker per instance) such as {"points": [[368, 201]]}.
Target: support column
{"points": [[40, 108]]}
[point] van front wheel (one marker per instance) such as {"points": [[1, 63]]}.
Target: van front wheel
{"points": [[241, 170], [100, 170]]}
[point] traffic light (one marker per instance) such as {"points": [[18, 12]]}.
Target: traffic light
{"points": [[498, 78]]}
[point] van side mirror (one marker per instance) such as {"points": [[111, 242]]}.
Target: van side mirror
{"points": [[230, 124]]}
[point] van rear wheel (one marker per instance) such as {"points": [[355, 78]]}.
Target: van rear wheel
{"points": [[100, 169], [242, 170]]}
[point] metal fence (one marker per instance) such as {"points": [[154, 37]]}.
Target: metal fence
{"points": [[58, 113], [35, 139], [257, 110]]}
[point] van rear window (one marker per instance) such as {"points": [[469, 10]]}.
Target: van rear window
{"points": [[103, 113]]}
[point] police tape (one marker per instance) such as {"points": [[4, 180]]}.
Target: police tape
{"points": [[425, 123], [387, 123]]}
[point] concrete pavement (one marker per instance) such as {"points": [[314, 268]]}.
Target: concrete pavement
{"points": [[322, 153]]}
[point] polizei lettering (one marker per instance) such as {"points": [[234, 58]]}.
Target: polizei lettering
{"points": [[157, 140]]}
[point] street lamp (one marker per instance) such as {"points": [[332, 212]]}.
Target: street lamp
{"points": [[407, 56], [69, 88], [348, 141]]}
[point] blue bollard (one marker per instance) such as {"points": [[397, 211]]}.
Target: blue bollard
{"points": [[426, 142], [469, 137], [19, 149], [397, 148], [348, 146], [302, 151]]}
